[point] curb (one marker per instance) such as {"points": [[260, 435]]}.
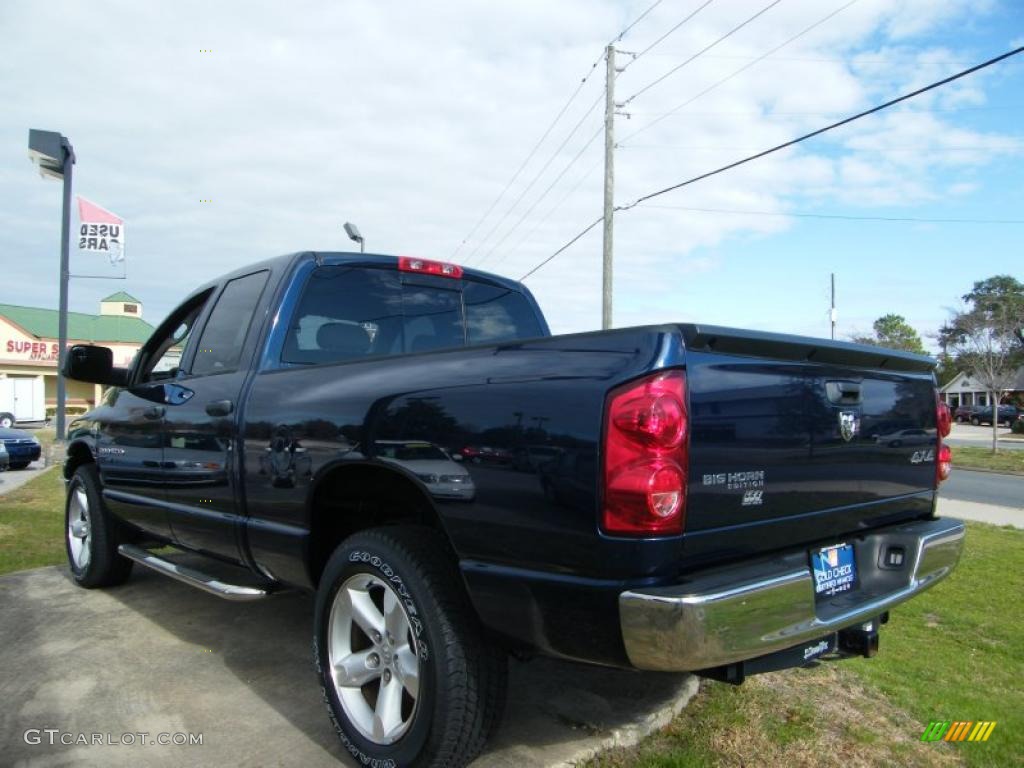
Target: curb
{"points": [[634, 733], [1008, 472]]}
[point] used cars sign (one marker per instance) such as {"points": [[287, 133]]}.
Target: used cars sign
{"points": [[100, 230]]}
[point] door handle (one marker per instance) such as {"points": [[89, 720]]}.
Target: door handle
{"points": [[154, 412], [843, 392], [220, 408]]}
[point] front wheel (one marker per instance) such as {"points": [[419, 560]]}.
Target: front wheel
{"points": [[6, 420], [91, 533], [403, 666]]}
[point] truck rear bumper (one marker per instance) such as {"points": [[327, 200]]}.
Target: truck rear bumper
{"points": [[749, 610]]}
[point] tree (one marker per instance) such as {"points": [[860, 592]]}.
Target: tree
{"points": [[1001, 295], [894, 332], [986, 341]]}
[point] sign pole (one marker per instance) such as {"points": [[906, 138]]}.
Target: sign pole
{"points": [[65, 273]]}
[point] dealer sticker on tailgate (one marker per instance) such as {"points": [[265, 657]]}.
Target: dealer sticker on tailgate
{"points": [[835, 570]]}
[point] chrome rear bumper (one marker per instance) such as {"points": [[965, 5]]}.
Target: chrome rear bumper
{"points": [[755, 608]]}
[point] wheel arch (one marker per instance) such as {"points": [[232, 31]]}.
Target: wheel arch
{"points": [[78, 453], [355, 496]]}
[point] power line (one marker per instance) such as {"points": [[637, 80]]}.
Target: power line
{"points": [[579, 182], [833, 126], [549, 129], [702, 51], [920, 149], [830, 113], [636, 21], [741, 70], [536, 178], [526, 162], [589, 227], [543, 194], [751, 158], [840, 216], [661, 39]]}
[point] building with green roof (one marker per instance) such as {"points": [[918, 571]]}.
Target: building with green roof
{"points": [[29, 349]]}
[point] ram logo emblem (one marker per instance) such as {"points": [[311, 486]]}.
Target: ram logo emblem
{"points": [[849, 424]]}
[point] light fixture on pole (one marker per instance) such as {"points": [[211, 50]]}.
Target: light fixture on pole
{"points": [[353, 232], [53, 154]]}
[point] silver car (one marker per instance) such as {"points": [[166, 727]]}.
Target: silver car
{"points": [[432, 465]]}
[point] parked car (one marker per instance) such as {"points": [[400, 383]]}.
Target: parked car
{"points": [[443, 477], [700, 516], [22, 447], [916, 436], [485, 454], [982, 414]]}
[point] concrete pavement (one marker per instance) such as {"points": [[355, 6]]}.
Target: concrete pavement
{"points": [[15, 478], [981, 436], [982, 513], [986, 497], [984, 488], [157, 656]]}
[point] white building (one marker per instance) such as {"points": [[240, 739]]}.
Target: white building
{"points": [[965, 389]]}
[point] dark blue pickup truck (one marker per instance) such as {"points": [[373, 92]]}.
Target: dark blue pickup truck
{"points": [[405, 438]]}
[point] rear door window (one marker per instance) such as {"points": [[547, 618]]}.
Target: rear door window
{"points": [[433, 318], [345, 313], [348, 312], [495, 314]]}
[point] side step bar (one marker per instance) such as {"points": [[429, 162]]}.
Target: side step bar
{"points": [[191, 576]]}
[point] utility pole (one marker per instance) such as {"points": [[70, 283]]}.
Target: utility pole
{"points": [[832, 311], [609, 188]]}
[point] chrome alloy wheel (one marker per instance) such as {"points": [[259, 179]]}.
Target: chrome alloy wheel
{"points": [[79, 528], [374, 658]]}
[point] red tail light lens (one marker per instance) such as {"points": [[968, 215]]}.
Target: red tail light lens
{"points": [[645, 456], [427, 267], [943, 419], [944, 464], [943, 455]]}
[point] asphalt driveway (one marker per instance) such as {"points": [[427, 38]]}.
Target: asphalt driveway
{"points": [[158, 657]]}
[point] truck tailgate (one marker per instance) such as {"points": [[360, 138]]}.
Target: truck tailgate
{"points": [[795, 440]]}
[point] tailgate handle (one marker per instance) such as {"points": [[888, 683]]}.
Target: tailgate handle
{"points": [[843, 392]]}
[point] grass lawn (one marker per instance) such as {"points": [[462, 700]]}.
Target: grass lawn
{"points": [[955, 653], [1007, 460], [32, 524]]}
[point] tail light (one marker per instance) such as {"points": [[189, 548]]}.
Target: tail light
{"points": [[427, 267], [943, 456], [645, 456]]}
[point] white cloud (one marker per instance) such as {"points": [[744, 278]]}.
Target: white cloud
{"points": [[408, 119]]}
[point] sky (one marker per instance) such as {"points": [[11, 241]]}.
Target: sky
{"points": [[228, 132]]}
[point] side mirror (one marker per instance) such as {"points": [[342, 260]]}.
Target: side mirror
{"points": [[94, 365]]}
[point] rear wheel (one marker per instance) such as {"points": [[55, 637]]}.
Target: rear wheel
{"points": [[6, 420], [403, 666], [19, 464], [91, 533], [975, 421]]}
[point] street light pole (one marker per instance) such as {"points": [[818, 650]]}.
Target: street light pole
{"points": [[65, 273], [54, 156]]}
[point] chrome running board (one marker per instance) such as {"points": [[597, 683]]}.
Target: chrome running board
{"points": [[191, 576]]}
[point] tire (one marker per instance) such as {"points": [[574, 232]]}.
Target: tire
{"points": [[19, 464], [975, 421], [92, 548], [6, 420], [446, 689]]}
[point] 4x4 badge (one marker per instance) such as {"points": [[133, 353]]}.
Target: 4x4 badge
{"points": [[849, 424]]}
